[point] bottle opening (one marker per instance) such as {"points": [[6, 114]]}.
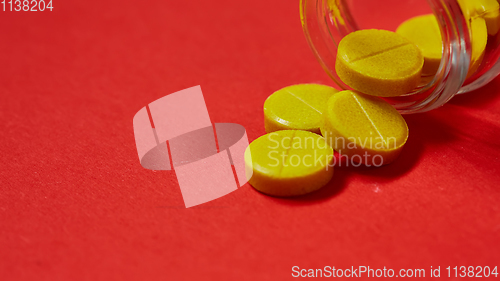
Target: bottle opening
{"points": [[469, 40]]}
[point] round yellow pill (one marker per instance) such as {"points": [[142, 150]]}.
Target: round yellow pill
{"points": [[297, 107], [424, 32], [489, 10], [479, 39], [379, 63], [289, 163], [364, 128]]}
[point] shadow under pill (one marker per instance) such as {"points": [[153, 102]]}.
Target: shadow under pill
{"points": [[331, 189]]}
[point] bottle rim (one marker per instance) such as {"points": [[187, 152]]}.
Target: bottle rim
{"points": [[323, 37]]}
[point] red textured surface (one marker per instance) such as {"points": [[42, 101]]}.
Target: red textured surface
{"points": [[75, 204]]}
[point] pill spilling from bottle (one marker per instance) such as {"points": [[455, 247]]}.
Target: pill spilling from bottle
{"points": [[306, 123]]}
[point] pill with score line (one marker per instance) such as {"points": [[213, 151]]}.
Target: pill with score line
{"points": [[297, 107], [486, 9], [289, 163], [366, 129], [379, 63]]}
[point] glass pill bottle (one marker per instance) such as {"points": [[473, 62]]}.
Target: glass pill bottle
{"points": [[326, 22]]}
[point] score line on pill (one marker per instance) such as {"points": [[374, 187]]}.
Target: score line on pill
{"points": [[379, 63], [297, 107]]}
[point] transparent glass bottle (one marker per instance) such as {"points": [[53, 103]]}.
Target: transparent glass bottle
{"points": [[326, 22]]}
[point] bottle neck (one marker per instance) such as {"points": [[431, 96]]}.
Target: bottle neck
{"points": [[326, 22]]}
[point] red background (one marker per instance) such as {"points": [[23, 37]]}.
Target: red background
{"points": [[75, 203]]}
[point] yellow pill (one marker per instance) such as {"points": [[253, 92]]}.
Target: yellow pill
{"points": [[479, 39], [289, 163], [364, 128], [424, 32], [336, 15], [297, 107], [489, 10], [379, 63]]}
